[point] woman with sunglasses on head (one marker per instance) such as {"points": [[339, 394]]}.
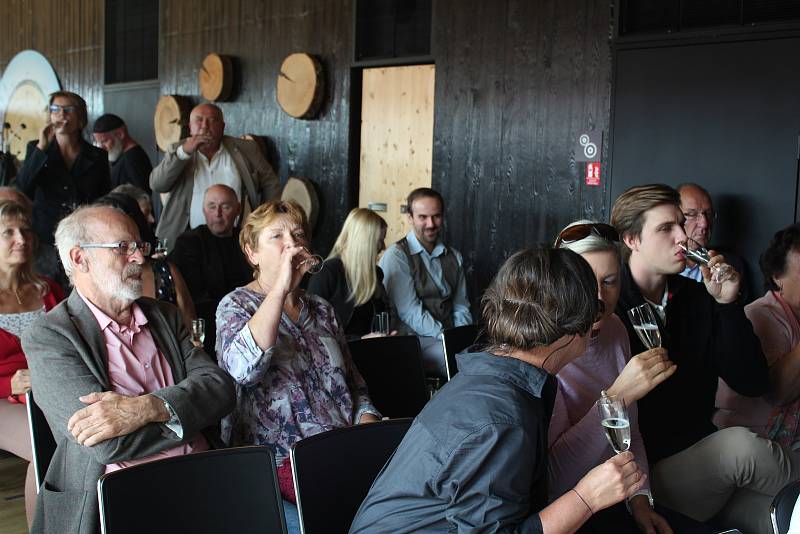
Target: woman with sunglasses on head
{"points": [[606, 368], [351, 280], [62, 170], [24, 296]]}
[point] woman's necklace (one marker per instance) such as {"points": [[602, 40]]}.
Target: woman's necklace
{"points": [[16, 294]]}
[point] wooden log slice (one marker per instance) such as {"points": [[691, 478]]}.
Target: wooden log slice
{"points": [[171, 120], [216, 77], [300, 86], [302, 191]]}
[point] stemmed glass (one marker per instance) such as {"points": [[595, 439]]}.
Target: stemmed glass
{"points": [[699, 254], [644, 323], [316, 261], [198, 331], [615, 421]]}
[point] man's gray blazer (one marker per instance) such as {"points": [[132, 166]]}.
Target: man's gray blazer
{"points": [[67, 356], [176, 177]]}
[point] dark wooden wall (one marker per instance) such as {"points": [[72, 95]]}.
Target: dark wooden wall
{"points": [[516, 82], [68, 33], [260, 34]]}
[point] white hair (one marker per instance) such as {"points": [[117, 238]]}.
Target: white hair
{"points": [[72, 231]]}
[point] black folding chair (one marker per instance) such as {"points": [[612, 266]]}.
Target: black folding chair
{"points": [[226, 490], [392, 369], [42, 441], [334, 471], [782, 507], [455, 340]]}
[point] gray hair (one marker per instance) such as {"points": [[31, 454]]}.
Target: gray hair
{"points": [[136, 193], [591, 243], [72, 231]]}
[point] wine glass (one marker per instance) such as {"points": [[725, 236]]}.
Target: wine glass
{"points": [[198, 331], [161, 248], [645, 325], [316, 261], [699, 254], [615, 421]]}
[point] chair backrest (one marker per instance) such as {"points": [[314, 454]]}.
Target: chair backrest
{"points": [[42, 441], [334, 471], [455, 340], [392, 369], [782, 507], [226, 490]]}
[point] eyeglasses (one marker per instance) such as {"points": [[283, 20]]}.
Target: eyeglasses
{"points": [[710, 215], [55, 108], [582, 231], [123, 248]]}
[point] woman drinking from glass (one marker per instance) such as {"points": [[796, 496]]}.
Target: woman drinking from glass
{"points": [[285, 349]]}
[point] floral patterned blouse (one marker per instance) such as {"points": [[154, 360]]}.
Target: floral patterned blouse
{"points": [[303, 385]]}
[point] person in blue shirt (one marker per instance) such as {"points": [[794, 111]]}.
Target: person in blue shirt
{"points": [[424, 279], [475, 458]]}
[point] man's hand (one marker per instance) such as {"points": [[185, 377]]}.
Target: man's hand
{"points": [[611, 482], [646, 518], [196, 142], [21, 382], [368, 418], [641, 374], [726, 289], [110, 415]]}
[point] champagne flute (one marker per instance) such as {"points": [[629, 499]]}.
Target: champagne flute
{"points": [[316, 261], [615, 421], [380, 323], [198, 331], [645, 325], [699, 254]]}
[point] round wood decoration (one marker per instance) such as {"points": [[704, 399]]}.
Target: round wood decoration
{"points": [[216, 77], [300, 86], [302, 191], [171, 121]]}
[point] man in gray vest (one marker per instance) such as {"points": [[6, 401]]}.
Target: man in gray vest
{"points": [[425, 279]]}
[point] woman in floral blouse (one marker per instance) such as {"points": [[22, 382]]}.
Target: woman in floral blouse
{"points": [[285, 350]]}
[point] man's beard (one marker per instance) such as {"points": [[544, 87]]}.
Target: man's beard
{"points": [[121, 287], [116, 151]]}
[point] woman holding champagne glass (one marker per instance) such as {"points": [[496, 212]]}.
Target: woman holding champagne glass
{"points": [[284, 348], [605, 371]]}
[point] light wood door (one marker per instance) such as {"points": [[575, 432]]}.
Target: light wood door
{"points": [[396, 140]]}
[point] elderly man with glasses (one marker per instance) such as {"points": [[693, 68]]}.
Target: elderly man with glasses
{"points": [[116, 375], [700, 217]]}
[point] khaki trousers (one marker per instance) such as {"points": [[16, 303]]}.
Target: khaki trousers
{"points": [[729, 478]]}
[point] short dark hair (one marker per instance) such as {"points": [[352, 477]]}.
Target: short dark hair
{"points": [[423, 192], [77, 101], [538, 296], [773, 260], [628, 212], [107, 123]]}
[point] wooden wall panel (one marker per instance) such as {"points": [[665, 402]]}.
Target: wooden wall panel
{"points": [[513, 92], [259, 35], [68, 33]]}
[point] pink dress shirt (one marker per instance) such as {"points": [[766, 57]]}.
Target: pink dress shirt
{"points": [[136, 367]]}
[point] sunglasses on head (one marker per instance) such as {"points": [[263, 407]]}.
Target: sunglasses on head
{"points": [[582, 231]]}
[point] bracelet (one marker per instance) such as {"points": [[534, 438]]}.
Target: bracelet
{"points": [[584, 501]]}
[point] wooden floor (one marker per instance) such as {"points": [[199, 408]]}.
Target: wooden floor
{"points": [[12, 499]]}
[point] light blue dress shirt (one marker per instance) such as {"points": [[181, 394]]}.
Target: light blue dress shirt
{"points": [[399, 283], [693, 273]]}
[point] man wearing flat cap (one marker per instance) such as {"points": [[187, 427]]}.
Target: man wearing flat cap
{"points": [[129, 161]]}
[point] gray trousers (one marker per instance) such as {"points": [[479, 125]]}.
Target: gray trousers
{"points": [[730, 478]]}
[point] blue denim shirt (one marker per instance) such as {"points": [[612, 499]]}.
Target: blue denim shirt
{"points": [[474, 460]]}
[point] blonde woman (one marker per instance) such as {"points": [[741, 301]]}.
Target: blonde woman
{"points": [[351, 280], [24, 296]]}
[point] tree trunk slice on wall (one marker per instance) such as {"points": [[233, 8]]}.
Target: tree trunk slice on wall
{"points": [[302, 191], [300, 86], [216, 77], [171, 121]]}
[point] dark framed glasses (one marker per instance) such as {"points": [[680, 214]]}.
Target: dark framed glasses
{"points": [[123, 248], [582, 231], [55, 108]]}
